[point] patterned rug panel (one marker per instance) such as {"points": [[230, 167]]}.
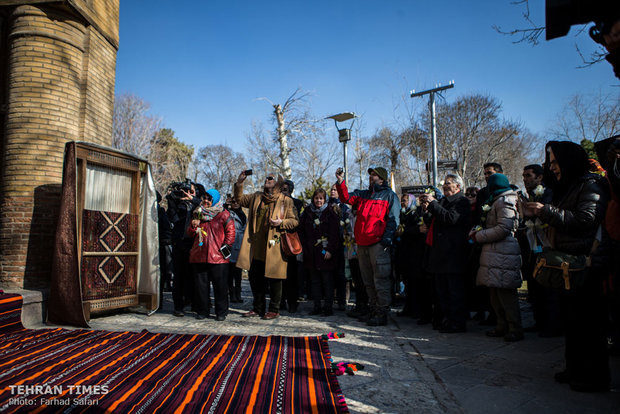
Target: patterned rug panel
{"points": [[59, 370]]}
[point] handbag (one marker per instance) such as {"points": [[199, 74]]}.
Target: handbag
{"points": [[555, 269], [291, 245]]}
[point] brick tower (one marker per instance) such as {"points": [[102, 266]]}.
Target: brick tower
{"points": [[57, 70]]}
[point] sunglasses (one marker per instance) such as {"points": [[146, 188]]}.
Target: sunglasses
{"points": [[269, 178]]}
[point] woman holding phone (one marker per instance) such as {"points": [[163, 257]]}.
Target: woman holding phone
{"points": [[214, 233]]}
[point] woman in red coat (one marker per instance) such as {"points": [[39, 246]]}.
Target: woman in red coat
{"points": [[214, 233]]}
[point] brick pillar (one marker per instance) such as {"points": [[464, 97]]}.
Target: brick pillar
{"points": [[60, 88]]}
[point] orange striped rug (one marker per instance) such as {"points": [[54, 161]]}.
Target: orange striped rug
{"points": [[73, 371]]}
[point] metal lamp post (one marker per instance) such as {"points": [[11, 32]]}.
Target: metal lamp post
{"points": [[344, 135], [431, 93]]}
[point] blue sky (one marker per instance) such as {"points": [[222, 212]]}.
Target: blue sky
{"points": [[203, 64]]}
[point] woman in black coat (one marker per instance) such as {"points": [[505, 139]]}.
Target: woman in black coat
{"points": [[319, 232], [574, 218]]}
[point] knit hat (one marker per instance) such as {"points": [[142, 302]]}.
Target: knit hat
{"points": [[215, 195], [380, 171]]}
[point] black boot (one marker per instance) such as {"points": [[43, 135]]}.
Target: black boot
{"points": [[316, 310], [358, 311], [378, 319]]}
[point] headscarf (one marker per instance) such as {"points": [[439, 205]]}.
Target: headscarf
{"points": [[271, 198], [410, 201], [208, 213], [498, 183], [573, 163]]}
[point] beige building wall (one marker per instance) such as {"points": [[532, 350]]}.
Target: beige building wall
{"points": [[58, 75]]}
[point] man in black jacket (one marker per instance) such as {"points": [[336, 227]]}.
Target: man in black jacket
{"points": [[447, 238], [180, 211]]}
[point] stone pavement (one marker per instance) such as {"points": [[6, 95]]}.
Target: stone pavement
{"points": [[411, 368]]}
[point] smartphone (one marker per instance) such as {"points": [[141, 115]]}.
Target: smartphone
{"points": [[225, 251], [247, 172]]}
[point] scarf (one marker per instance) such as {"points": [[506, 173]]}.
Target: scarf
{"points": [[203, 213], [269, 199], [318, 210]]}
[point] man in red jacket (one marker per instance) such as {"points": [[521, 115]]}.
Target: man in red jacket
{"points": [[378, 210]]}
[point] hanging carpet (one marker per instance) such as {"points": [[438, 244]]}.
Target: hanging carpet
{"points": [[73, 371]]}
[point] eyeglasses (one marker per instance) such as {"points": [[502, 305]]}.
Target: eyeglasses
{"points": [[269, 178]]}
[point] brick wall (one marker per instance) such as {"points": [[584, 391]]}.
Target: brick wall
{"points": [[60, 87]]}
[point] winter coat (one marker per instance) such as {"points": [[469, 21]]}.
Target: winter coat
{"points": [[378, 211], [309, 233], [450, 219], [575, 218], [275, 260], [219, 231], [180, 215], [239, 230], [410, 244], [500, 260]]}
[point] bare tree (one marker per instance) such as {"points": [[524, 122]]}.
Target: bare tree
{"points": [[298, 148], [133, 128], [588, 116], [292, 120], [218, 166], [472, 132], [315, 158], [169, 159], [388, 149]]}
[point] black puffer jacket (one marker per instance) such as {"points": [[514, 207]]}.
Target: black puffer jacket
{"points": [[576, 216]]}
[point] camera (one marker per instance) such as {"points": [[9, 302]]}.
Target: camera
{"points": [[178, 187], [560, 15]]}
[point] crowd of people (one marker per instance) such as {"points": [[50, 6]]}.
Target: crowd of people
{"points": [[461, 253]]}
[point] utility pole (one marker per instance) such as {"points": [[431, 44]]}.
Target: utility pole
{"points": [[431, 93]]}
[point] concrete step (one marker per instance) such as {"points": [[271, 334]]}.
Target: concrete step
{"points": [[34, 307]]}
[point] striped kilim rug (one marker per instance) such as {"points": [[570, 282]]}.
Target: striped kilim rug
{"points": [[72, 371]]}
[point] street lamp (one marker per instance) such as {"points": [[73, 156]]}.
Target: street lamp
{"points": [[344, 135]]}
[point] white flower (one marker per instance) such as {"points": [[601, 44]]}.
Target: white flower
{"points": [[272, 242], [539, 190], [486, 208], [342, 223], [347, 221], [317, 221]]}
